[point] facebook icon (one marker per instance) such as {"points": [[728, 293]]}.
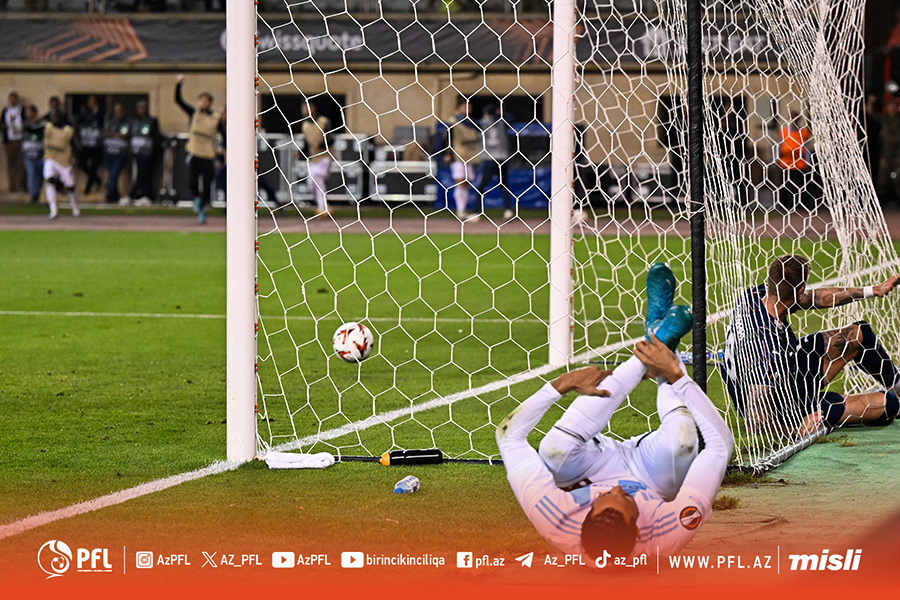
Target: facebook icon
{"points": [[464, 560]]}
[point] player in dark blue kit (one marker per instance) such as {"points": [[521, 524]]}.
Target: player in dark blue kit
{"points": [[778, 380]]}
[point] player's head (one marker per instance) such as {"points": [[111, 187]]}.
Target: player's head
{"points": [[611, 525], [13, 99], [205, 100], [31, 113], [787, 278], [309, 109], [142, 109], [56, 117]]}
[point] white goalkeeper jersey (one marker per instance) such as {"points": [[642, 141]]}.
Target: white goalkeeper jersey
{"points": [[665, 527]]}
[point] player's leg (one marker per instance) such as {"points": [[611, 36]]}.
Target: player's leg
{"points": [[318, 173], [207, 173], [663, 456], [51, 179], [508, 204], [567, 449], [194, 181], [570, 449], [458, 170], [470, 180], [67, 178], [874, 408], [858, 343]]}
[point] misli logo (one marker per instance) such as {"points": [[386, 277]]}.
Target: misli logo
{"points": [[54, 558], [823, 561]]}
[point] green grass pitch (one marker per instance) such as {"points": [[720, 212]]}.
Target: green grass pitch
{"points": [[114, 367]]}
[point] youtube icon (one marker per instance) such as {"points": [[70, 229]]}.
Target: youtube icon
{"points": [[283, 560], [353, 560]]}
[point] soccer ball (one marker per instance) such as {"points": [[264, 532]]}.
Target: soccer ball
{"points": [[353, 342]]}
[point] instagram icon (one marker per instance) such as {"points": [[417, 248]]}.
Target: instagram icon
{"points": [[143, 560]]}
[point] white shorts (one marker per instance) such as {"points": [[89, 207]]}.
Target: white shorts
{"points": [[318, 171], [66, 175], [462, 171]]}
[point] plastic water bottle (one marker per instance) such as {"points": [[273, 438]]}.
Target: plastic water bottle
{"points": [[407, 485], [687, 357]]}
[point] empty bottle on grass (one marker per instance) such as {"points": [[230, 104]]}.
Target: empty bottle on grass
{"points": [[407, 485]]}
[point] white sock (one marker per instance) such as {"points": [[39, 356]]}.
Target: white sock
{"points": [[51, 200], [461, 196]]}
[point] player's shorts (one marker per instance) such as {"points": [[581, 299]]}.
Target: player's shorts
{"points": [[462, 171], [66, 175]]}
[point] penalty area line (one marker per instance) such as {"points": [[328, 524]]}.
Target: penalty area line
{"points": [[112, 499]]}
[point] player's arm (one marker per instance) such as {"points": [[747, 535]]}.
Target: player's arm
{"points": [[512, 433], [829, 297], [179, 100]]}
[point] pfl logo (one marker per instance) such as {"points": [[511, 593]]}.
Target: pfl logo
{"points": [[54, 558]]}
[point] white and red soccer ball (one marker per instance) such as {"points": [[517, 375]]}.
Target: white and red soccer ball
{"points": [[353, 342]]}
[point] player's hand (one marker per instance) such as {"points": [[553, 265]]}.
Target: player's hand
{"points": [[584, 381], [659, 359], [179, 80], [882, 290]]}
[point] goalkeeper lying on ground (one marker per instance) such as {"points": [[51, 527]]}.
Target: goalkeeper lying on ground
{"points": [[589, 494]]}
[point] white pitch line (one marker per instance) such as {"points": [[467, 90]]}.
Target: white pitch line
{"points": [[116, 315], [119, 497], [121, 315]]}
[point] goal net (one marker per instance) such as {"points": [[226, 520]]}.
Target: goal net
{"points": [[401, 148]]}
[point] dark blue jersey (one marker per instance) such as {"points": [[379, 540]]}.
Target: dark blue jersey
{"points": [[765, 362]]}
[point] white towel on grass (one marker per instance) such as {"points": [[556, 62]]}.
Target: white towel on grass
{"points": [[294, 460]]}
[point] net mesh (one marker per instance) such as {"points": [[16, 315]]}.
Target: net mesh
{"points": [[459, 307]]}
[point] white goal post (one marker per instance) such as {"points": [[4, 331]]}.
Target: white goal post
{"points": [[241, 232]]}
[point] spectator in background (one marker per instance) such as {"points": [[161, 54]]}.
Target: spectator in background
{"points": [[873, 134], [201, 146], [794, 155], [494, 159], [54, 104], [889, 170], [12, 122], [146, 144], [33, 151], [463, 151], [58, 170], [115, 150], [89, 141], [318, 156]]}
